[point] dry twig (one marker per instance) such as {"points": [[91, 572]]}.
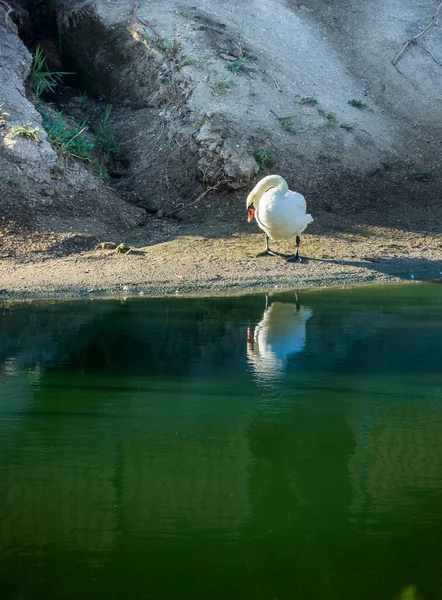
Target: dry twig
{"points": [[8, 10], [200, 197], [66, 144], [274, 80], [418, 35], [143, 21], [431, 54]]}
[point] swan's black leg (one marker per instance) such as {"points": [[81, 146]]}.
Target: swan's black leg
{"points": [[267, 251], [296, 257]]}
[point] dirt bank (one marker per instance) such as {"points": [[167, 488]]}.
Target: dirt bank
{"points": [[341, 100], [169, 258]]}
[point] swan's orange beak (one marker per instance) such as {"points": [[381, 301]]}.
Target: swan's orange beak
{"points": [[250, 213]]}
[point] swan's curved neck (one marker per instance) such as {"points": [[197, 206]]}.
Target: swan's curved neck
{"points": [[271, 181]]}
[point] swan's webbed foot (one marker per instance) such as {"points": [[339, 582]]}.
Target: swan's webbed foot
{"points": [[268, 252], [294, 258]]}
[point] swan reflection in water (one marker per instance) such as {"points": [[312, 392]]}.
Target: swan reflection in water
{"points": [[281, 333]]}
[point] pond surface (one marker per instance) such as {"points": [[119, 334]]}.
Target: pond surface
{"points": [[253, 448]]}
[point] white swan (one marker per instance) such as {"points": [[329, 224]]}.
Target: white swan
{"points": [[281, 333], [280, 213]]}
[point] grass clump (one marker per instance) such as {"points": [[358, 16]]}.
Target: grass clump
{"points": [[14, 183], [308, 101], [331, 117], [426, 175], [43, 80], [172, 47], [347, 126], [68, 138], [285, 122], [106, 141], [28, 131], [72, 141], [238, 65], [65, 138], [357, 104], [221, 86], [265, 156]]}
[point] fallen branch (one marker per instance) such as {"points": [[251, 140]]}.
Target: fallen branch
{"points": [[418, 35], [200, 197], [431, 54]]}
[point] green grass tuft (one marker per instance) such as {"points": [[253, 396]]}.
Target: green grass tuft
{"points": [[221, 86], [71, 141], [238, 65], [347, 127], [28, 131], [106, 141], [285, 122], [308, 101], [331, 117], [43, 80], [265, 156], [357, 103]]}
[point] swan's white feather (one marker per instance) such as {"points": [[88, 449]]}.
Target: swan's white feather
{"points": [[279, 212]]}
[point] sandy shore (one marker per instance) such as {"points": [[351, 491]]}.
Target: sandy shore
{"points": [[208, 263]]}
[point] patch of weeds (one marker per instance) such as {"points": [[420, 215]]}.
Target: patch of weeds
{"points": [[357, 104], [66, 139], [331, 117], [106, 141], [265, 156], [56, 170], [43, 80], [426, 175], [173, 52], [172, 47], [221, 86], [238, 65], [173, 95], [14, 182], [189, 62], [347, 127], [285, 122], [28, 131], [71, 141], [308, 101], [83, 97]]}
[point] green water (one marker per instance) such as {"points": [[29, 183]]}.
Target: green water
{"points": [[224, 448]]}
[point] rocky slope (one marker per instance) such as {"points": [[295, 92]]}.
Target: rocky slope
{"points": [[220, 93]]}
